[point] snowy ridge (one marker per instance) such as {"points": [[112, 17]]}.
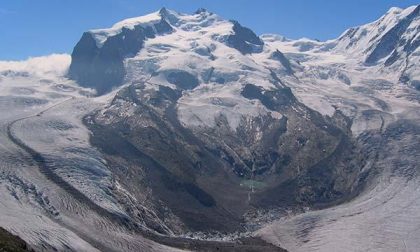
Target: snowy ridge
{"points": [[101, 35], [181, 21], [357, 40]]}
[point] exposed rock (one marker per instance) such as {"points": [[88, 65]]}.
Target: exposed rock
{"points": [[102, 68], [244, 39], [12, 243]]}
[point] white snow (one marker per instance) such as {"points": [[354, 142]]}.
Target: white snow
{"points": [[197, 47], [200, 108], [369, 34], [101, 35]]}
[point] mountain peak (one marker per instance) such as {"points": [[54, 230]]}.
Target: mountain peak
{"points": [[169, 15], [377, 40], [108, 48], [163, 10], [200, 10], [394, 10], [397, 10]]}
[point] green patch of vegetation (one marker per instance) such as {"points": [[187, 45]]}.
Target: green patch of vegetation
{"points": [[249, 183]]}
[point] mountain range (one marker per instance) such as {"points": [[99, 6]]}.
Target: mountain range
{"points": [[176, 131]]}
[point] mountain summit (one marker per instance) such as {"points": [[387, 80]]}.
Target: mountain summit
{"points": [[392, 41], [98, 58]]}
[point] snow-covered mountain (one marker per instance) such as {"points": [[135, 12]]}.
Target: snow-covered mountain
{"points": [[392, 36], [98, 58], [389, 45], [189, 131]]}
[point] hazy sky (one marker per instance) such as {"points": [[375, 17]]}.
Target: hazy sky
{"points": [[40, 27]]}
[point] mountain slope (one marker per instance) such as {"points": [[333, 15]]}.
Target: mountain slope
{"points": [[393, 41]]}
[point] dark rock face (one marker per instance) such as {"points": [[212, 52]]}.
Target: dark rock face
{"points": [[244, 39], [277, 55], [12, 243], [102, 68], [392, 39], [273, 100], [200, 10], [182, 79], [416, 84]]}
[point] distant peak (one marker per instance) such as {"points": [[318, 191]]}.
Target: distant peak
{"points": [[163, 11], [200, 10], [394, 10], [404, 12], [169, 15]]}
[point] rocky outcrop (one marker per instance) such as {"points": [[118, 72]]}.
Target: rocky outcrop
{"points": [[12, 243], [101, 67], [244, 39], [279, 56]]}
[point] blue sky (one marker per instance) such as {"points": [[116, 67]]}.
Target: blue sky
{"points": [[41, 27]]}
